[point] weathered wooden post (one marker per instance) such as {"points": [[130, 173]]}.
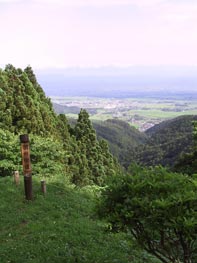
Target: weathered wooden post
{"points": [[43, 187], [25, 152], [16, 178]]}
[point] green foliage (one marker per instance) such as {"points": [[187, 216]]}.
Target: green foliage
{"points": [[93, 162], [188, 161], [187, 164], [24, 107], [9, 148], [167, 142], [55, 146], [158, 208], [48, 157], [195, 135], [162, 144], [123, 139]]}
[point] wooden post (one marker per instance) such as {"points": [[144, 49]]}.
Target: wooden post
{"points": [[43, 187], [16, 178], [25, 152], [28, 187]]}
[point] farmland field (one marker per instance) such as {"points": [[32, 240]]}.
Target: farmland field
{"points": [[142, 113]]}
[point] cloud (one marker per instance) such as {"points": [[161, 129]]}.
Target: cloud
{"points": [[10, 1], [98, 32], [180, 12], [78, 3]]}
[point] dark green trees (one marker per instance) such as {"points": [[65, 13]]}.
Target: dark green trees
{"points": [[188, 162], [6, 99], [93, 159], [9, 148], [195, 134], [24, 106]]}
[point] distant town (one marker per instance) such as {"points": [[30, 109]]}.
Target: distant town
{"points": [[141, 113]]}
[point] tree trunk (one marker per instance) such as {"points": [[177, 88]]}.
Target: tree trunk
{"points": [[187, 259]]}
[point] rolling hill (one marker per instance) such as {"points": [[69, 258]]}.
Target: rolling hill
{"points": [[163, 144]]}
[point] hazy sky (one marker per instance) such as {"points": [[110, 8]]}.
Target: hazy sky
{"points": [[94, 33]]}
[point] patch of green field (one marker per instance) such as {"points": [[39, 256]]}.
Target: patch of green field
{"points": [[161, 114], [72, 115], [101, 117]]}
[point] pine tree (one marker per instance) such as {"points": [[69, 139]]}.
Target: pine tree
{"points": [[100, 163]]}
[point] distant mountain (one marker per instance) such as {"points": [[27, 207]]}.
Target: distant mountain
{"points": [[120, 82]]}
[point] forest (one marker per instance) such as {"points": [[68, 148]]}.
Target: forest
{"points": [[114, 194]]}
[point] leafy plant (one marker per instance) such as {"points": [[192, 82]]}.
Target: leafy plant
{"points": [[158, 208], [10, 158]]}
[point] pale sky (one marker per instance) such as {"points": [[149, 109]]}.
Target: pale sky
{"points": [[96, 33]]}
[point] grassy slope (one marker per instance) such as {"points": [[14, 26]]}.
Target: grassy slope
{"points": [[60, 227]]}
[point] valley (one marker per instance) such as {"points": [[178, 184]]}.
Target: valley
{"points": [[104, 178], [143, 113]]}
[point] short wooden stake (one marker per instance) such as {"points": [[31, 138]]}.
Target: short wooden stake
{"points": [[43, 187], [16, 178]]}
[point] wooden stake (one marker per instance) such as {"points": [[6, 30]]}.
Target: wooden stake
{"points": [[16, 178], [43, 187]]}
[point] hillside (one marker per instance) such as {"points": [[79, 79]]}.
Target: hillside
{"points": [[120, 136], [175, 125], [167, 141], [66, 224], [162, 144], [59, 227]]}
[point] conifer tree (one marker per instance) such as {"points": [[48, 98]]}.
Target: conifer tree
{"points": [[100, 163], [24, 106]]}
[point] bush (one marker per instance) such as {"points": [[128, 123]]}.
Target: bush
{"points": [[158, 208]]}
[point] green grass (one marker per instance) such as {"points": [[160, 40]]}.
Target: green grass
{"points": [[72, 115], [154, 113], [61, 226]]}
